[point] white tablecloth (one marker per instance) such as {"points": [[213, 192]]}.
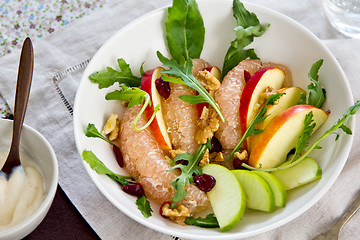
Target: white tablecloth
{"points": [[56, 80]]}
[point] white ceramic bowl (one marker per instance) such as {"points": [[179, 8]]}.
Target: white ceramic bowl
{"points": [[38, 149], [285, 42]]}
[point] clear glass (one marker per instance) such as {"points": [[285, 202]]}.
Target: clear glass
{"points": [[344, 15]]}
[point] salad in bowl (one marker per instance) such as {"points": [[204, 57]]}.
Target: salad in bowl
{"points": [[216, 134]]}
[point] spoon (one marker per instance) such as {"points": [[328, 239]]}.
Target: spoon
{"points": [[334, 231], [21, 98]]}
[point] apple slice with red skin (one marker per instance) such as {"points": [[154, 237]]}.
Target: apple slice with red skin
{"points": [[215, 71], [290, 98], [251, 95], [281, 135], [268, 77], [158, 125]]}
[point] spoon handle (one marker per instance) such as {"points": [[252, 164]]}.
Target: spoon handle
{"points": [[22, 93], [348, 214]]}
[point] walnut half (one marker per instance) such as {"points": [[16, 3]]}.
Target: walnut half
{"points": [[177, 215], [208, 81], [208, 123], [174, 152], [216, 157], [205, 159], [112, 127], [242, 156]]}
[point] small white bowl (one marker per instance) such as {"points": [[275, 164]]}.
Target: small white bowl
{"points": [[38, 149]]}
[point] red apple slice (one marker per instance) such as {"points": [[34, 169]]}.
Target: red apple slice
{"points": [[215, 71], [200, 107], [281, 135], [158, 125], [261, 80], [291, 98]]}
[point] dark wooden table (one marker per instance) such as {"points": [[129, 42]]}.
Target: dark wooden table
{"points": [[63, 221]]}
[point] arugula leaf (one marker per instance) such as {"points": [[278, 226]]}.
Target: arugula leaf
{"points": [[260, 117], [100, 168], [176, 80], [317, 94], [107, 78], [142, 72], [346, 129], [337, 124], [209, 221], [303, 141], [91, 131], [187, 171], [340, 122], [185, 31], [184, 71], [144, 206], [248, 27], [302, 99], [135, 96]]}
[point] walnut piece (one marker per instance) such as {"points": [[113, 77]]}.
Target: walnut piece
{"points": [[112, 127], [208, 81], [177, 215], [216, 157], [208, 123], [243, 155], [174, 152], [205, 159]]}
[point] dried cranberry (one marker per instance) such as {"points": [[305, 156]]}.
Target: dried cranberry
{"points": [[328, 112], [162, 206], [237, 163], [134, 189], [205, 182], [163, 88], [118, 156], [215, 145], [247, 76]]}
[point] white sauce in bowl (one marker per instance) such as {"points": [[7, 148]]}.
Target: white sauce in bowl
{"points": [[21, 194]]}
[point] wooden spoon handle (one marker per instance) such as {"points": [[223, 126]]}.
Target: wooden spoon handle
{"points": [[21, 98]]}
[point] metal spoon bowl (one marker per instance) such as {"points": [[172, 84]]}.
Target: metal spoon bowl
{"points": [[23, 85]]}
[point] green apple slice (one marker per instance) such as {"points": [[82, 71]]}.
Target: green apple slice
{"points": [[227, 198], [308, 170], [276, 186], [259, 195]]}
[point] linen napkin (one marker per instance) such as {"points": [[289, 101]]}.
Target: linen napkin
{"points": [[59, 60], [55, 56]]}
